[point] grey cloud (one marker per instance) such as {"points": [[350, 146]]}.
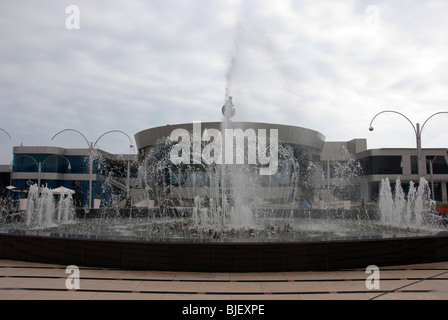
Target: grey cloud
{"points": [[139, 64]]}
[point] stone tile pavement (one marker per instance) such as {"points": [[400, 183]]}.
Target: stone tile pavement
{"points": [[35, 281]]}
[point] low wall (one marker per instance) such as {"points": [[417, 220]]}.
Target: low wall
{"points": [[224, 256]]}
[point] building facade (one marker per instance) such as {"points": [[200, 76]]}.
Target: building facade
{"points": [[402, 164], [327, 171], [344, 170], [90, 173]]}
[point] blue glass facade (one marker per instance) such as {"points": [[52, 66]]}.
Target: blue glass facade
{"points": [[65, 167]]}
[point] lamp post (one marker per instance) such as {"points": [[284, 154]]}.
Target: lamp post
{"points": [[8, 136], [431, 172], [39, 165], [131, 146], [6, 133], [43, 162], [418, 134], [30, 157], [91, 146]]}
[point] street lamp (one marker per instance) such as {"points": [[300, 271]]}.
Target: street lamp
{"points": [[6, 133], [29, 157], [39, 165], [43, 162], [418, 134], [91, 146], [131, 146], [431, 172]]}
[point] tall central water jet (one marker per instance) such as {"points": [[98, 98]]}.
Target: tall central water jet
{"points": [[220, 175], [236, 211], [226, 208], [235, 174]]}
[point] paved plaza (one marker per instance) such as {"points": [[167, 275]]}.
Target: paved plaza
{"points": [[35, 281]]}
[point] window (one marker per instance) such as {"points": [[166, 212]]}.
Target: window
{"points": [[439, 165], [414, 165], [381, 165]]}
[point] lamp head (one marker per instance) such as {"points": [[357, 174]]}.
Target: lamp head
{"points": [[371, 128]]}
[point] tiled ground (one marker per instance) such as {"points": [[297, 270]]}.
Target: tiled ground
{"points": [[24, 281]]}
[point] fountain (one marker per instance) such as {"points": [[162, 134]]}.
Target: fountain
{"points": [[42, 212], [411, 211], [207, 211]]}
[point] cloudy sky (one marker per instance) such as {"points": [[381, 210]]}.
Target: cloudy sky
{"points": [[324, 65]]}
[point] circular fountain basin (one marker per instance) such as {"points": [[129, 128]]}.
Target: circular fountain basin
{"points": [[174, 245]]}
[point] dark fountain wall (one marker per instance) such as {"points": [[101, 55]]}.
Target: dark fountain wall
{"points": [[224, 256]]}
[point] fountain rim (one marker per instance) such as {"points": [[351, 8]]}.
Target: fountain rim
{"points": [[262, 241], [225, 257]]}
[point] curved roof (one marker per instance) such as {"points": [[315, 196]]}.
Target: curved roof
{"points": [[286, 134]]}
